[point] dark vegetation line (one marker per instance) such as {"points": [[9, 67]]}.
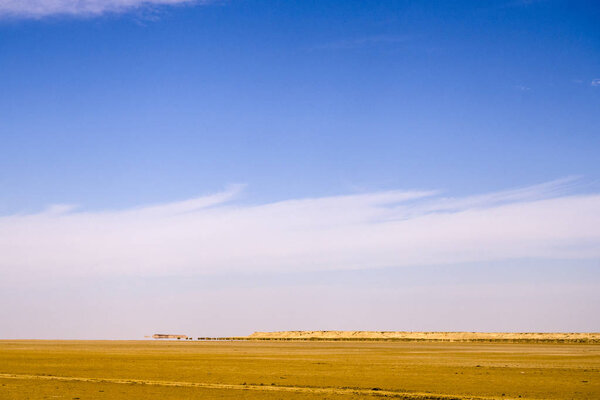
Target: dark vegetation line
{"points": [[549, 341]]}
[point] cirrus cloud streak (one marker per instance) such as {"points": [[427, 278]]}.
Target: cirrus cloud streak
{"points": [[371, 230], [43, 8]]}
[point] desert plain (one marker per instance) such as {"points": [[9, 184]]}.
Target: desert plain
{"points": [[298, 369]]}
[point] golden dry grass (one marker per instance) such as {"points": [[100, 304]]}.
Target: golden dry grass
{"points": [[296, 370]]}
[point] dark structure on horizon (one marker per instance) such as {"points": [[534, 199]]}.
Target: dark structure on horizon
{"points": [[168, 336]]}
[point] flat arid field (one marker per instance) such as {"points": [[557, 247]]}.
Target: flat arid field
{"points": [[296, 370]]}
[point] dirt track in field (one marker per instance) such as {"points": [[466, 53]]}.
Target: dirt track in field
{"points": [[296, 389]]}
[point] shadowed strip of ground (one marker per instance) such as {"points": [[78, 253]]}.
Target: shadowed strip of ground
{"points": [[297, 389]]}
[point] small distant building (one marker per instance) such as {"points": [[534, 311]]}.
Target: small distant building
{"points": [[168, 336]]}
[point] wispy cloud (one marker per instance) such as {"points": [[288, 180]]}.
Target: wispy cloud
{"points": [[44, 8], [522, 88], [371, 230], [365, 41], [522, 3], [595, 82]]}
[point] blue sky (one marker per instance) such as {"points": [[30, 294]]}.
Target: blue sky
{"points": [[279, 117], [296, 99]]}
